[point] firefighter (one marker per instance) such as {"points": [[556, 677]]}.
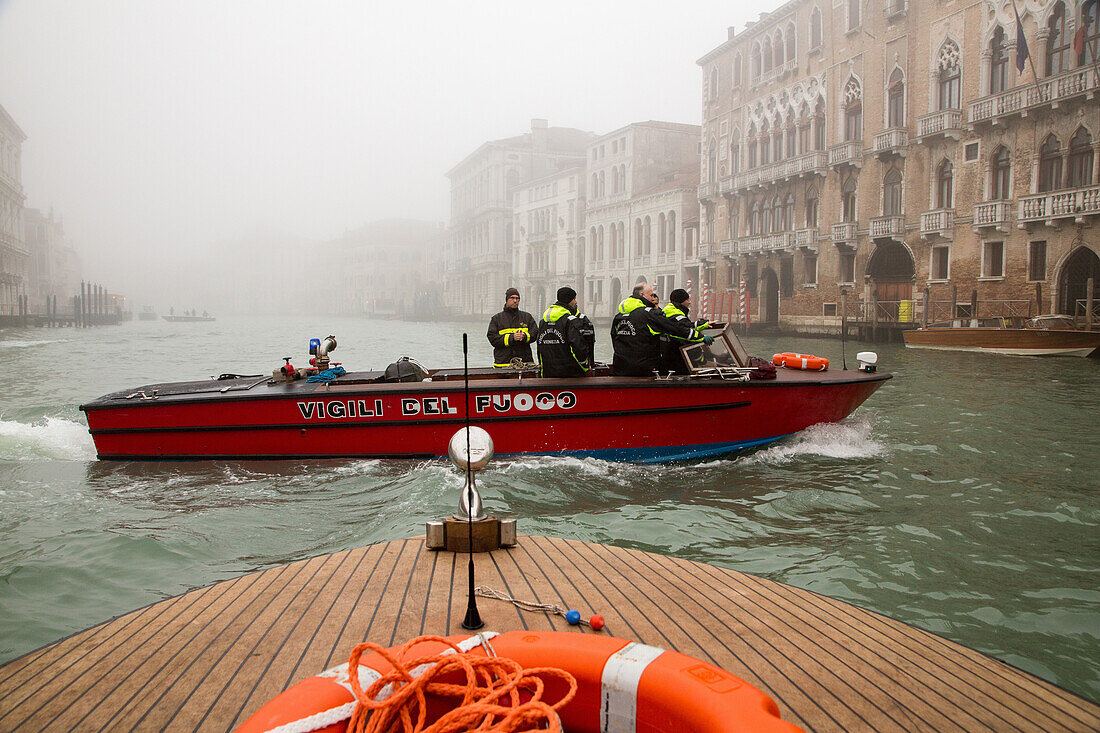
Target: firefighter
{"points": [[511, 332], [678, 308], [566, 339], [636, 333]]}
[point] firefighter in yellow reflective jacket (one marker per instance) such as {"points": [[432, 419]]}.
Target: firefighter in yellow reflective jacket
{"points": [[677, 309], [511, 332], [636, 333], [566, 338]]}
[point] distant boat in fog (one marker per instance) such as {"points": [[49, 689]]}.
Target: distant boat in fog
{"points": [[147, 313]]}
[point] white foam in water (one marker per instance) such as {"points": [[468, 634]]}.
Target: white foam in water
{"points": [[53, 437], [830, 440], [359, 468], [17, 344]]}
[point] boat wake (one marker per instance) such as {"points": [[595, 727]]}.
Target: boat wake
{"points": [[19, 344], [49, 438], [852, 438]]}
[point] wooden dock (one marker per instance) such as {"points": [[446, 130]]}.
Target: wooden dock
{"points": [[207, 659]]}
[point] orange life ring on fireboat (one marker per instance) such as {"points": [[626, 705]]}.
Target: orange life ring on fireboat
{"points": [[620, 685], [801, 361]]}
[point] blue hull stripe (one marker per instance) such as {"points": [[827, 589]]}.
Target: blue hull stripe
{"points": [[660, 454]]}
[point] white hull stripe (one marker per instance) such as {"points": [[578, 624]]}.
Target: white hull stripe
{"points": [[367, 677], [619, 688]]}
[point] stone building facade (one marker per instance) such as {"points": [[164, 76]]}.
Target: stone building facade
{"points": [[479, 245], [391, 268], [14, 258], [53, 266], [549, 247], [641, 211], [891, 148]]}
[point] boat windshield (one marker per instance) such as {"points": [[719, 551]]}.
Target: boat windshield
{"points": [[726, 351], [1060, 323]]}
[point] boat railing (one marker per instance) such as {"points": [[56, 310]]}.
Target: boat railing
{"points": [[912, 310], [1081, 310]]}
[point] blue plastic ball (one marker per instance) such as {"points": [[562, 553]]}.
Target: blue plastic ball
{"points": [[573, 616]]}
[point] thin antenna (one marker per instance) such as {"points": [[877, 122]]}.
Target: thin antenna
{"points": [[473, 618], [843, 327]]}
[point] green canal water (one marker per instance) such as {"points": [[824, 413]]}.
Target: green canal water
{"points": [[961, 498]]}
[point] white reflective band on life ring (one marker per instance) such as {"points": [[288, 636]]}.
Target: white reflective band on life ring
{"points": [[619, 688]]}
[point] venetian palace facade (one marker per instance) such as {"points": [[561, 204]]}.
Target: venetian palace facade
{"points": [[889, 148], [14, 256]]}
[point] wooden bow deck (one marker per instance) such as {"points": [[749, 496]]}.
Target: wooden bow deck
{"points": [[207, 659]]}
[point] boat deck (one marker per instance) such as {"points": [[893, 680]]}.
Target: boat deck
{"points": [[209, 658]]}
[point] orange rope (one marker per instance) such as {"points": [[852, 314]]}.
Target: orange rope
{"points": [[489, 701]]}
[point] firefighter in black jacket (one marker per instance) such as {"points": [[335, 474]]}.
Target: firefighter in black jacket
{"points": [[678, 308], [511, 332], [636, 334], [566, 338]]}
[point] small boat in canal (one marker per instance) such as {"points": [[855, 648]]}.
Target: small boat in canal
{"points": [[1052, 335], [716, 409], [188, 318]]}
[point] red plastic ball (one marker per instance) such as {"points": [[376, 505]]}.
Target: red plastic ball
{"points": [[596, 622]]}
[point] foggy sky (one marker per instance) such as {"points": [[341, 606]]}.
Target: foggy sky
{"points": [[154, 127]]}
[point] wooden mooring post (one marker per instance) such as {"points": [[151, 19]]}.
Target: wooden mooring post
{"points": [[1089, 302]]}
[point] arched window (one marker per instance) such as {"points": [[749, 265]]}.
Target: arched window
{"points": [[1057, 41], [714, 83], [819, 125], [712, 161], [788, 213], [1080, 158], [637, 237], [1000, 169], [815, 28], [1050, 165], [1090, 46], [791, 136], [614, 243], [602, 181], [766, 54], [896, 100], [998, 62], [753, 160], [735, 152], [811, 207], [755, 67], [672, 231], [790, 41], [949, 76], [945, 185], [848, 199], [662, 231], [777, 142], [777, 45], [766, 228], [737, 70], [754, 219], [853, 110], [891, 193], [595, 186], [765, 145]]}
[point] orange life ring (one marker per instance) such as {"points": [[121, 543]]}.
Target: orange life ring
{"points": [[631, 686], [801, 361]]}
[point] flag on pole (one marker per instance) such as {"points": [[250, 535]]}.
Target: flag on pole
{"points": [[1022, 52]]}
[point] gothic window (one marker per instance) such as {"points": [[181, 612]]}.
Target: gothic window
{"points": [[756, 68], [714, 84], [815, 28], [891, 193], [945, 184], [848, 199], [1000, 170], [1050, 164], [896, 100], [819, 126], [765, 145], [1080, 159], [811, 207], [766, 53], [790, 41], [853, 110], [777, 44], [737, 70], [853, 14], [788, 213], [949, 76], [712, 161], [791, 137], [998, 62], [754, 219], [1090, 19], [735, 152], [1057, 41], [766, 228]]}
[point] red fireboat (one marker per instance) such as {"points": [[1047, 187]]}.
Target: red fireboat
{"points": [[410, 412]]}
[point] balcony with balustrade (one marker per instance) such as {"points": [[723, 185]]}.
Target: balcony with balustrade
{"points": [[895, 9], [759, 243], [1052, 206], [991, 214], [728, 247], [846, 153], [806, 239], [708, 191], [1048, 93], [844, 232], [892, 141], [812, 163], [945, 123], [707, 251], [937, 223], [887, 228]]}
